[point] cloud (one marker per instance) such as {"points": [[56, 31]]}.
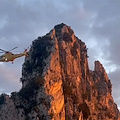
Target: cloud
{"points": [[9, 80], [95, 22], [114, 77]]}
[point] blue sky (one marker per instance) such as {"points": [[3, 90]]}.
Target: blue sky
{"points": [[97, 23]]}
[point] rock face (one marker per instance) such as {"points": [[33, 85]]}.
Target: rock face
{"points": [[58, 85]]}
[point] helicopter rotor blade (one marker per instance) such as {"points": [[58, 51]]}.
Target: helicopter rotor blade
{"points": [[13, 48], [3, 50]]}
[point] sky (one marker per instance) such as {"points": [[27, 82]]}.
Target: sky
{"points": [[96, 22]]}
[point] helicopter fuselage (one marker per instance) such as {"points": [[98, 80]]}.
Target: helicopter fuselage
{"points": [[9, 56]]}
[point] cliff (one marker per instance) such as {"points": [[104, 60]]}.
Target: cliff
{"points": [[58, 85]]}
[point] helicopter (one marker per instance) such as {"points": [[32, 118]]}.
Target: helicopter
{"points": [[9, 56]]}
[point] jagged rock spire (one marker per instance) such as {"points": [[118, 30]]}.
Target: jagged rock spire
{"points": [[58, 85]]}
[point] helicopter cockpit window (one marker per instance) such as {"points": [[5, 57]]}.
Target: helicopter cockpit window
{"points": [[2, 57]]}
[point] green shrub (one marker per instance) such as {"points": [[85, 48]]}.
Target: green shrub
{"points": [[31, 87], [38, 54]]}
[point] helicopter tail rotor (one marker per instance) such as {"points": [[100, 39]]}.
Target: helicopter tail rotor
{"points": [[26, 52]]}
